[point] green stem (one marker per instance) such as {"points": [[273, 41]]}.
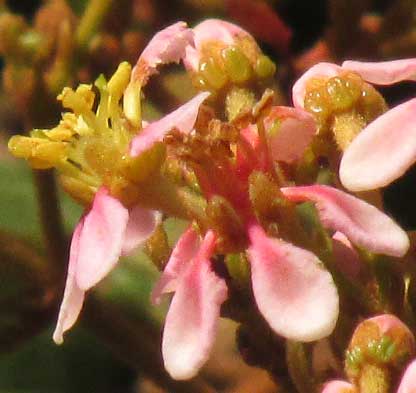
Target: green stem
{"points": [[138, 345], [91, 20], [51, 221]]}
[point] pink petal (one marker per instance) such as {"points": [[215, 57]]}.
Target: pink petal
{"points": [[185, 250], [192, 318], [361, 222], [293, 291], [208, 31], [408, 382], [101, 239], [324, 70], [383, 151], [141, 224], [385, 72], [73, 295], [182, 118], [345, 255], [338, 387], [294, 134], [167, 46]]}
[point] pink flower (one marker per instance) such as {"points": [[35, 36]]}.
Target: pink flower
{"points": [[107, 231], [292, 290], [386, 148]]}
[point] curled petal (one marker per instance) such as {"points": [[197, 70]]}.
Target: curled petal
{"points": [[383, 151], [385, 72], [182, 119], [100, 239], [338, 387], [167, 46], [73, 295], [141, 224], [293, 291], [292, 136], [408, 382], [361, 222], [192, 318], [320, 70], [185, 250]]}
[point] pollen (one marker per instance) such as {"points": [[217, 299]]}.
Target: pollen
{"points": [[90, 145]]}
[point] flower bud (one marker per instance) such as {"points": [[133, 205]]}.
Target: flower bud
{"points": [[225, 55], [384, 343]]}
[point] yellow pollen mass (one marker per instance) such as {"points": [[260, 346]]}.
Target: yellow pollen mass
{"points": [[90, 145]]}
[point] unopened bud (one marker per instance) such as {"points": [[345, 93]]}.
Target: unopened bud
{"points": [[384, 342]]}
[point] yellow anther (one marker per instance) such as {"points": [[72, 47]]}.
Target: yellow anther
{"points": [[51, 152], [78, 189], [22, 146], [132, 104], [78, 101], [119, 81], [59, 134]]}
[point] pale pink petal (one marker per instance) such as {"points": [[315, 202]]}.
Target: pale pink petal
{"points": [[185, 250], [192, 318], [293, 291], [73, 295], [101, 239], [338, 387], [167, 46], [294, 134], [408, 382], [324, 70], [141, 224], [385, 72], [362, 223], [208, 31], [182, 119], [345, 255], [383, 151]]}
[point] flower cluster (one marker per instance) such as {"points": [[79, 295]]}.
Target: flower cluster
{"points": [[258, 182]]}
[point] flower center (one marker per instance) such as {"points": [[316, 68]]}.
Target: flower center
{"points": [[90, 145]]}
